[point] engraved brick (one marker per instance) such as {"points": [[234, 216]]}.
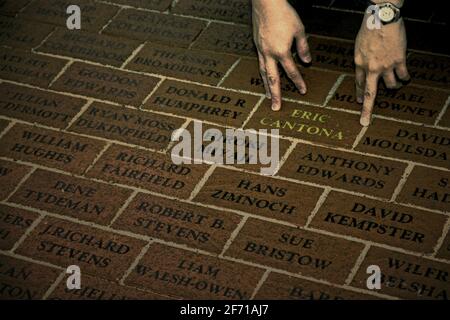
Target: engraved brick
{"points": [[70, 196], [195, 276], [95, 251], [50, 148], [262, 196], [295, 250]]}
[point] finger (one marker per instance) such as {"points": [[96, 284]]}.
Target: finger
{"points": [[263, 72], [389, 80], [273, 80], [293, 73], [402, 72], [303, 47], [360, 83], [370, 94]]}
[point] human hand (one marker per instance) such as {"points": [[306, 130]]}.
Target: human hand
{"points": [[378, 53], [275, 26]]}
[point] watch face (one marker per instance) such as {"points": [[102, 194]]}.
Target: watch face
{"points": [[386, 14]]}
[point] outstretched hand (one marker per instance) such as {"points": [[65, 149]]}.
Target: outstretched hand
{"points": [[379, 53], [275, 26]]}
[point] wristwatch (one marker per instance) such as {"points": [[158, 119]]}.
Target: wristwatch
{"points": [[386, 12]]}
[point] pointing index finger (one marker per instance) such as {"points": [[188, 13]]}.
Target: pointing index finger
{"points": [[369, 98], [273, 79]]}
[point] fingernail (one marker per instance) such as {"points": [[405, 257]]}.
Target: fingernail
{"points": [[308, 59], [268, 96], [303, 91], [365, 122], [359, 100], [275, 107]]}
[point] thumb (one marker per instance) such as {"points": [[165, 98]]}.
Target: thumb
{"points": [[303, 47]]}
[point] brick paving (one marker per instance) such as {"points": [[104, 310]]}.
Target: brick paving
{"points": [[85, 124]]}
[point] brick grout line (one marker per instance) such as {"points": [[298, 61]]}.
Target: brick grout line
{"points": [[45, 39], [228, 72], [319, 203], [28, 231], [441, 114], [301, 276], [439, 54], [334, 189], [135, 262], [335, 285], [314, 104], [63, 93], [248, 214], [414, 206], [357, 265], [60, 73], [98, 156], [211, 20], [252, 112], [123, 207], [368, 292], [402, 181], [126, 6], [441, 239], [100, 31], [208, 22], [202, 181], [133, 54], [260, 283], [94, 225], [359, 137], [32, 260], [376, 244], [78, 115], [285, 157], [333, 89], [8, 127], [91, 137], [25, 177], [162, 79], [54, 285], [409, 122], [233, 235], [93, 63], [23, 8]]}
